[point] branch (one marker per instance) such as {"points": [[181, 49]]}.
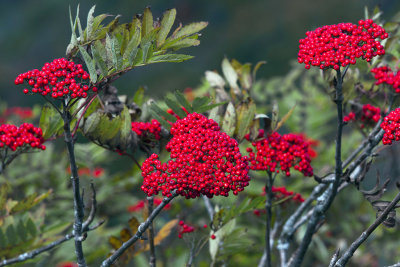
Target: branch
{"points": [[152, 261], [209, 207], [33, 253], [354, 246], [142, 228], [78, 203]]}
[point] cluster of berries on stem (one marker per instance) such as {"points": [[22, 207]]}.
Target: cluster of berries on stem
{"points": [[25, 135], [384, 74], [22, 113], [282, 192], [203, 161], [332, 46], [59, 78], [391, 126], [283, 152], [370, 115], [147, 130], [184, 229]]}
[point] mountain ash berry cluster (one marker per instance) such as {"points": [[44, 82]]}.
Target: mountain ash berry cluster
{"points": [[203, 161], [282, 152], [332, 46], [368, 116], [147, 130], [26, 135], [385, 74], [59, 78], [391, 126]]}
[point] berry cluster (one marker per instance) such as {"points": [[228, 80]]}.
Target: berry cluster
{"points": [[370, 115], [22, 113], [332, 46], [142, 203], [184, 229], [204, 161], [391, 126], [385, 74], [147, 130], [281, 192], [58, 78], [281, 151], [95, 173], [23, 136]]}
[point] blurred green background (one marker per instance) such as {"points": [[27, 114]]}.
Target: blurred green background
{"points": [[35, 32]]}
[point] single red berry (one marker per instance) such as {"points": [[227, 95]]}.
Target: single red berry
{"points": [[213, 236]]}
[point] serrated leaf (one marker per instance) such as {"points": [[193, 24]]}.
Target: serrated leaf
{"points": [[107, 128], [11, 235], [114, 242], [78, 22], [98, 58], [166, 25], [171, 103], [163, 122], [96, 27], [187, 42], [138, 97], [229, 73], [169, 58], [90, 64], [162, 112], [191, 29], [246, 112], [147, 52], [199, 102], [74, 39], [229, 121], [22, 232], [3, 239], [183, 101], [136, 57], [147, 22], [208, 107], [130, 51], [285, 118], [115, 51]]}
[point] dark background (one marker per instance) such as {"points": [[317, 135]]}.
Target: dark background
{"points": [[35, 32]]}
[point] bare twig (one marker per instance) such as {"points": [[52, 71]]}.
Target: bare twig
{"points": [[142, 228], [209, 207], [334, 258], [33, 253], [152, 261], [266, 261], [78, 203], [354, 246]]}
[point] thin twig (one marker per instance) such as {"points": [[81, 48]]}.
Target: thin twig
{"points": [[33, 253], [266, 261], [142, 228], [82, 115], [354, 246], [152, 261], [334, 258], [78, 202], [209, 207]]}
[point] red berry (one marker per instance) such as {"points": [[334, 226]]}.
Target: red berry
{"points": [[213, 236]]}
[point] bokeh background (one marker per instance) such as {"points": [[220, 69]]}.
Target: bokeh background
{"points": [[34, 32]]}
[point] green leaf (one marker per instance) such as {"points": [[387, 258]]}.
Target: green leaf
{"points": [[166, 25], [162, 112], [3, 239], [130, 51], [31, 227], [183, 101], [138, 97], [209, 107], [191, 29], [50, 121], [169, 58], [90, 64], [126, 128], [98, 50], [229, 121], [147, 23], [199, 102], [115, 51], [107, 128], [11, 235], [171, 102], [148, 53], [22, 232], [78, 22], [275, 114], [96, 27], [138, 57], [91, 123], [187, 42], [246, 112], [229, 73]]}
